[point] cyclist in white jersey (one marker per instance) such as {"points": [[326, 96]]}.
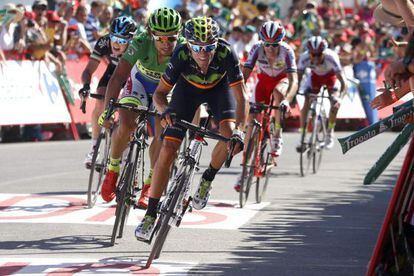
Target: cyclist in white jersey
{"points": [[276, 76], [326, 70]]}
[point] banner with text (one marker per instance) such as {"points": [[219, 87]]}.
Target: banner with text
{"points": [[30, 94]]}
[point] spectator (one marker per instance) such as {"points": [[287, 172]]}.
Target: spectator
{"points": [[105, 20], [197, 7], [92, 23], [140, 17], [79, 20], [248, 39], [76, 46], [10, 37], [263, 10]]}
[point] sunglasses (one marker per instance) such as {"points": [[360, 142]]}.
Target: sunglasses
{"points": [[316, 55], [206, 48], [119, 40], [274, 45], [165, 38]]}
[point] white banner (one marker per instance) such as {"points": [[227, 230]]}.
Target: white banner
{"points": [[30, 94]]}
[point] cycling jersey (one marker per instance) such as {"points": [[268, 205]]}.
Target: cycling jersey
{"points": [[224, 66], [330, 64], [284, 63], [142, 53], [103, 49]]}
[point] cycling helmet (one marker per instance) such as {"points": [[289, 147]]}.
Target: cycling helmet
{"points": [[124, 27], [272, 32], [202, 29], [164, 20], [316, 44]]}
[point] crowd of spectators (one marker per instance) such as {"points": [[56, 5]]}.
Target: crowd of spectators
{"points": [[61, 30]]}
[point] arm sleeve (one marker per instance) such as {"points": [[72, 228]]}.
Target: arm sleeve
{"points": [[290, 61], [301, 63], [336, 63], [252, 58], [174, 67], [234, 74]]}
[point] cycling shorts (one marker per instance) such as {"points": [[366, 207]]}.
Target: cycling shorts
{"points": [[266, 85], [316, 82], [186, 99]]}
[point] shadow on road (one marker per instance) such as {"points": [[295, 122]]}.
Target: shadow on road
{"points": [[334, 232]]}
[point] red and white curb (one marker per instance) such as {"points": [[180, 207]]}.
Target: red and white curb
{"points": [[69, 267], [27, 208]]}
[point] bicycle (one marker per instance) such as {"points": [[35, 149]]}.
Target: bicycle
{"points": [[99, 162], [132, 176], [258, 160], [175, 204], [314, 133]]}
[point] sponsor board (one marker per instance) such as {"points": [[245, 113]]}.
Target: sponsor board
{"points": [[26, 208], [69, 266]]}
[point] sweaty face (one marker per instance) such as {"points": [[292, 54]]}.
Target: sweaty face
{"points": [[118, 49], [163, 44], [316, 58]]}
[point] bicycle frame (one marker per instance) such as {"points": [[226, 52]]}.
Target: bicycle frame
{"points": [[263, 126]]}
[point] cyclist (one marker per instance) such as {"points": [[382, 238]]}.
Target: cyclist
{"points": [[144, 61], [276, 76], [206, 69], [111, 47], [326, 70]]}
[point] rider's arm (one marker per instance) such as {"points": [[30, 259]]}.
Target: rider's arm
{"points": [[341, 77], [291, 71], [247, 68], [160, 96], [246, 73], [240, 95], [293, 86], [117, 80], [89, 70]]}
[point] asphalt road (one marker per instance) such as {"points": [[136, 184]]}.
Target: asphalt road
{"points": [[324, 224]]}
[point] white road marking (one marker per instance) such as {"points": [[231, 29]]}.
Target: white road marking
{"points": [[69, 266], [27, 208]]}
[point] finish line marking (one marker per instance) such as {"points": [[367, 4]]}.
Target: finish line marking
{"points": [[26, 208], [69, 267]]}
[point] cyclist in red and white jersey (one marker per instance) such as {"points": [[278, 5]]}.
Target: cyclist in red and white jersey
{"points": [[326, 69], [277, 76]]}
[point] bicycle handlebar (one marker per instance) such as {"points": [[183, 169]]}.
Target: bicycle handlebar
{"points": [[137, 109], [263, 106]]}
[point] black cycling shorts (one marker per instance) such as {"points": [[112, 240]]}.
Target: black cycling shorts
{"points": [[186, 98]]}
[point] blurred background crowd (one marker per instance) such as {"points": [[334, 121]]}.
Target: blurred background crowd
{"points": [[60, 30]]}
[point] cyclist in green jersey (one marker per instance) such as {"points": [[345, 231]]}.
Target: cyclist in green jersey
{"points": [[144, 61], [204, 70]]}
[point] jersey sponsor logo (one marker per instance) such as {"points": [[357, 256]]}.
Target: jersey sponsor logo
{"points": [[131, 51], [103, 43], [153, 75]]}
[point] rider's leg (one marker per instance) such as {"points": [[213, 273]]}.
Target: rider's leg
{"points": [[332, 119], [119, 142], [154, 152], [279, 93], [96, 112]]}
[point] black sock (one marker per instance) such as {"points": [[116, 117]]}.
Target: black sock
{"points": [[210, 173], [152, 207]]}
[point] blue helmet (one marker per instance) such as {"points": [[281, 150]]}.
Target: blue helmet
{"points": [[124, 27]]}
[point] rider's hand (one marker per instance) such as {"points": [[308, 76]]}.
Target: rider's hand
{"points": [[385, 99], [166, 118], [105, 123], [236, 139], [285, 107], [336, 101], [84, 91]]}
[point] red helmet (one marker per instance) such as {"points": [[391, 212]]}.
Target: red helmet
{"points": [[272, 32], [316, 44]]}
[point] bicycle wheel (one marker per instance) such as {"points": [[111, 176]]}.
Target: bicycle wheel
{"points": [[306, 153], [320, 136], [163, 227], [248, 170], [98, 167], [266, 160], [122, 189]]}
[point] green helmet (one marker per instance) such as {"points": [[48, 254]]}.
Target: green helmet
{"points": [[202, 29], [165, 20]]}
